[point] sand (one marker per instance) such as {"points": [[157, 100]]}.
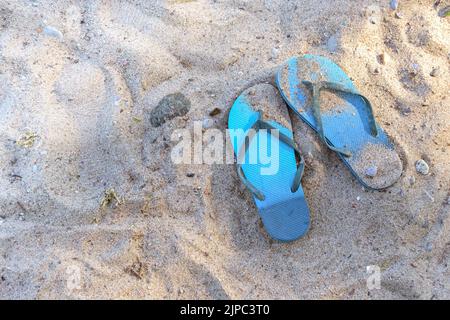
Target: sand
{"points": [[378, 166], [267, 99], [78, 82]]}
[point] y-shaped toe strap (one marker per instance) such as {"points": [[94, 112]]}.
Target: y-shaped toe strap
{"points": [[258, 125], [331, 86]]}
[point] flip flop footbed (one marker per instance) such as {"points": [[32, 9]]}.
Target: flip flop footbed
{"points": [[345, 119], [284, 213]]}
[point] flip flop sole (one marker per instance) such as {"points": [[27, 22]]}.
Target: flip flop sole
{"points": [[284, 213], [374, 162]]}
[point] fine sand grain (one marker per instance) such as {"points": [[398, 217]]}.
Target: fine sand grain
{"points": [[91, 205]]}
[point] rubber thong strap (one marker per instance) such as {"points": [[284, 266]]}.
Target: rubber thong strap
{"points": [[258, 125], [316, 88]]}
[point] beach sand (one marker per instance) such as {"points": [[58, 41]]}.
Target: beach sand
{"points": [[91, 205]]}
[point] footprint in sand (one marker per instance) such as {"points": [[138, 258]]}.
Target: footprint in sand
{"points": [[421, 31], [84, 149], [410, 73], [131, 30]]}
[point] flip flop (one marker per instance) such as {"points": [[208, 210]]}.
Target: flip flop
{"points": [[324, 97], [259, 125]]}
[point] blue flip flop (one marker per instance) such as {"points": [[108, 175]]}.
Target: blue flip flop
{"points": [[324, 97], [261, 134]]}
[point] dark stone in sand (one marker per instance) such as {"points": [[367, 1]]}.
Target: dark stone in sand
{"points": [[215, 112], [171, 106]]}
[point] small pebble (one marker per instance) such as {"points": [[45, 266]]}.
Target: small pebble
{"points": [[435, 72], [275, 53], [358, 198], [422, 167], [332, 43], [382, 58], [415, 68], [208, 123], [412, 180], [371, 171], [394, 4], [398, 15], [53, 32]]}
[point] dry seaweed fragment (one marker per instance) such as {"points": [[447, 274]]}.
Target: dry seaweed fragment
{"points": [[109, 197], [27, 140], [137, 269]]}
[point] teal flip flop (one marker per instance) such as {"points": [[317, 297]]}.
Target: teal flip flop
{"points": [[261, 134], [324, 97]]}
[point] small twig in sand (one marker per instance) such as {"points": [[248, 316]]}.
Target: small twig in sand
{"points": [[429, 196], [21, 206]]}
